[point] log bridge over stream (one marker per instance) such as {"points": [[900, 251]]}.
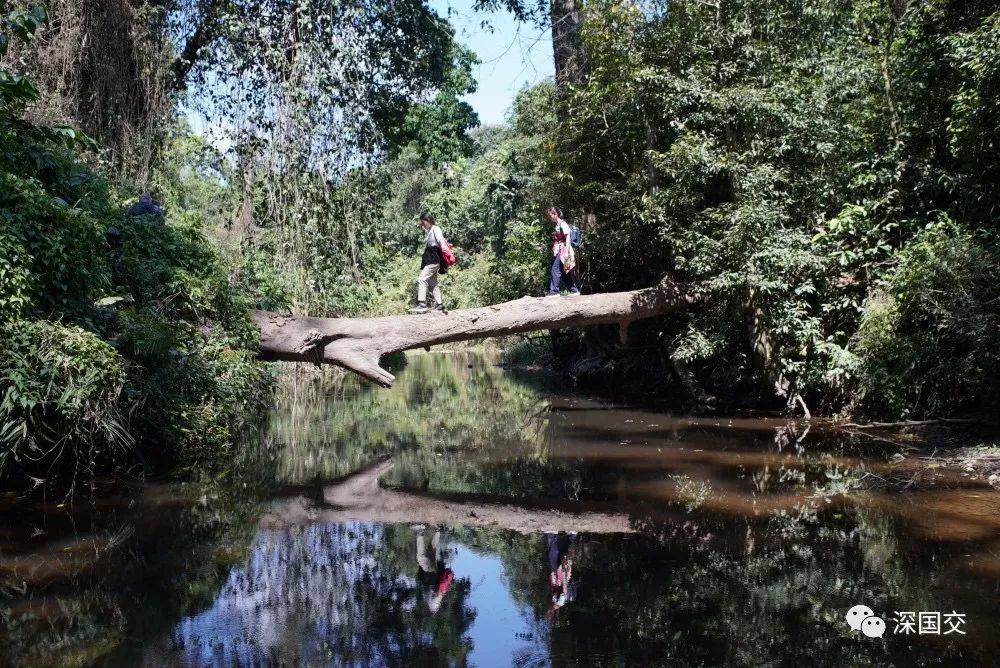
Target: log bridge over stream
{"points": [[357, 344]]}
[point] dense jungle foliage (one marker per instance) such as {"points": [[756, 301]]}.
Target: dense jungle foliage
{"points": [[826, 169], [126, 339]]}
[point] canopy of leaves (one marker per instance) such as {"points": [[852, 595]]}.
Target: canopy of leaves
{"points": [[789, 153]]}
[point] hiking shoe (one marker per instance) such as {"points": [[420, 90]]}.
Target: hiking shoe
{"points": [[440, 308], [574, 293], [419, 308]]}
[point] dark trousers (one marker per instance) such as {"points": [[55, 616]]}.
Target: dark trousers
{"points": [[559, 275]]}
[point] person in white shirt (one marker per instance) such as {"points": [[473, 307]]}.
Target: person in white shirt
{"points": [[431, 265], [563, 257]]}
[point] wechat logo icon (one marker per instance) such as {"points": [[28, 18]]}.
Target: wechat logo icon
{"points": [[862, 618]]}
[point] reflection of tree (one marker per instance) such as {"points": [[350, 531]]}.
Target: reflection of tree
{"points": [[764, 555], [127, 571], [325, 594], [711, 591], [450, 424], [359, 497], [708, 591]]}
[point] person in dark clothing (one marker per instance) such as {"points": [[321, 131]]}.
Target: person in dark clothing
{"points": [[431, 265], [147, 206], [560, 567]]}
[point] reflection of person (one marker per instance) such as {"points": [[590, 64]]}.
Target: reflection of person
{"points": [[434, 577], [563, 255], [560, 568]]}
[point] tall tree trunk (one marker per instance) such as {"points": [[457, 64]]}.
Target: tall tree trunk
{"points": [[567, 47], [100, 66]]}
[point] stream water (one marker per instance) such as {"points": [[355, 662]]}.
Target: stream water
{"points": [[748, 540]]}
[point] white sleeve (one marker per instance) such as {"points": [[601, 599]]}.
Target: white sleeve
{"points": [[439, 235]]}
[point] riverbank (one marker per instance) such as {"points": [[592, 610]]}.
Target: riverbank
{"points": [[969, 447]]}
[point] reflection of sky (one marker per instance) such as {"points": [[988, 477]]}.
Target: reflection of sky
{"points": [[321, 594], [499, 619]]}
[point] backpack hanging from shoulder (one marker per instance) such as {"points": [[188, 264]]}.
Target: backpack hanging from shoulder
{"points": [[575, 236], [448, 254]]}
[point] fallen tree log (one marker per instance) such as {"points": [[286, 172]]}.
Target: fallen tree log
{"points": [[357, 344], [360, 497]]}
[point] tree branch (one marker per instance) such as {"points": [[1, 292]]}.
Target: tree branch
{"points": [[203, 35]]}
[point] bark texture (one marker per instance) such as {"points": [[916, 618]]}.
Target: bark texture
{"points": [[357, 344], [360, 497], [567, 43]]}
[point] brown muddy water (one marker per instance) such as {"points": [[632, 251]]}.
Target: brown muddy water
{"points": [[676, 541]]}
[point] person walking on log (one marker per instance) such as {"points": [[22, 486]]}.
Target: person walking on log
{"points": [[563, 256], [431, 265]]}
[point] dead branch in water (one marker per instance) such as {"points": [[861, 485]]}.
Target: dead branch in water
{"points": [[918, 423]]}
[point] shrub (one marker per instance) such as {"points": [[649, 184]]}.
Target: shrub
{"points": [[62, 399], [114, 330], [928, 341]]}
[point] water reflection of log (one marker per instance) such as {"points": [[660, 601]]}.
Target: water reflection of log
{"points": [[360, 497]]}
